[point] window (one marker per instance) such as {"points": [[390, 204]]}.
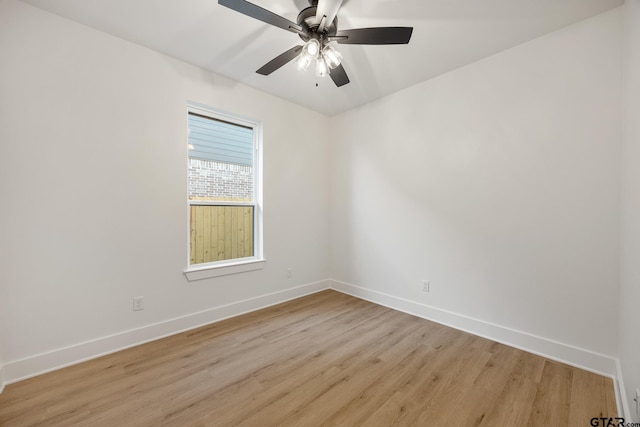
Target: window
{"points": [[224, 193]]}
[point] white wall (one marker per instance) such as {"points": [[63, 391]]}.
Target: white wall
{"points": [[630, 227], [93, 187], [499, 183]]}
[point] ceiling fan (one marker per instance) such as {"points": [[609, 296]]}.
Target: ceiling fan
{"points": [[317, 26]]}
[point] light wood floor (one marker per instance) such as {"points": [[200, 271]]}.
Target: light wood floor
{"points": [[323, 360]]}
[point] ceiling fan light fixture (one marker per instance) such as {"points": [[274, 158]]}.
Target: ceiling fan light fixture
{"points": [[311, 48], [303, 61], [331, 56], [322, 69]]}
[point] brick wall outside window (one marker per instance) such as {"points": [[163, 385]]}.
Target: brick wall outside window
{"points": [[210, 179]]}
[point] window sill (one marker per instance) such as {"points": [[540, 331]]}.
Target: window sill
{"points": [[207, 272]]}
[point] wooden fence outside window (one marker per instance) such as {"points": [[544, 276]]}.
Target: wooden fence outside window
{"points": [[220, 232]]}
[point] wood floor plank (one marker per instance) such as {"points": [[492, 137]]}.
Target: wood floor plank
{"points": [[340, 344], [553, 399], [512, 407], [588, 389], [329, 372], [327, 359], [363, 403]]}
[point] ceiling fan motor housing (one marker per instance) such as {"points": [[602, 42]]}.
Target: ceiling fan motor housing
{"points": [[307, 20]]}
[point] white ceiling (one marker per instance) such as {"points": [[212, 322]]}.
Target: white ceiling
{"points": [[447, 34]]}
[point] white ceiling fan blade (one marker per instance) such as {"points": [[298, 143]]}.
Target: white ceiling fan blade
{"points": [[328, 8]]}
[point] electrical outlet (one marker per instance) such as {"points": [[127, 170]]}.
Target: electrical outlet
{"points": [[138, 303], [289, 273], [425, 286]]}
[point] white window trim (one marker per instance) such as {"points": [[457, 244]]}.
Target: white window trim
{"points": [[237, 265]]}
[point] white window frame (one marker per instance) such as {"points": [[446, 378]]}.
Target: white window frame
{"points": [[236, 265]]}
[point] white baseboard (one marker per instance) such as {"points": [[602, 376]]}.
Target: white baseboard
{"points": [[35, 365], [574, 356], [39, 364], [1, 377], [621, 394]]}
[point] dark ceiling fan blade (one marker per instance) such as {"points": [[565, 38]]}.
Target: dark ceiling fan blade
{"points": [[378, 35], [261, 14], [339, 76], [328, 8], [279, 61]]}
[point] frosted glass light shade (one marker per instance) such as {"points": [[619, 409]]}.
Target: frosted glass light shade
{"points": [[332, 56], [303, 61], [311, 48], [322, 69]]}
